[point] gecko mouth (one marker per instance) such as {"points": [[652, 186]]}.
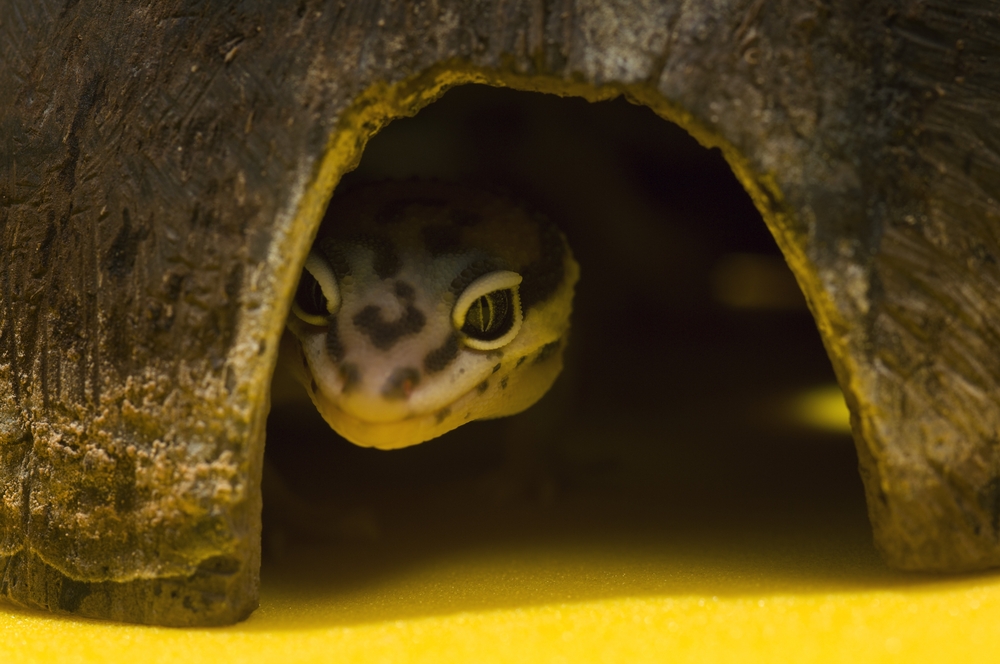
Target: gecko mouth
{"points": [[392, 423], [405, 431], [386, 424]]}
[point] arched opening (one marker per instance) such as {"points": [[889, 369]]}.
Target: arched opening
{"points": [[672, 438]]}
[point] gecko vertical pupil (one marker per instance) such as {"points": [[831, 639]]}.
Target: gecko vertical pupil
{"points": [[490, 316], [309, 296]]}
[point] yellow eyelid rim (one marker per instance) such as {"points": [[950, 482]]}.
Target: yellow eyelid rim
{"points": [[492, 281], [319, 268]]}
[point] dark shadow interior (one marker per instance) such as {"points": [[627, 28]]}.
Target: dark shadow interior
{"points": [[669, 427]]}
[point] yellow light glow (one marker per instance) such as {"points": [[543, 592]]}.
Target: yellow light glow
{"points": [[822, 408], [751, 281]]}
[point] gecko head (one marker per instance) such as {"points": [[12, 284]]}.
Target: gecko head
{"points": [[423, 306]]}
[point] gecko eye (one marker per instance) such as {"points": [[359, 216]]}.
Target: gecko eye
{"points": [[488, 312], [317, 296]]}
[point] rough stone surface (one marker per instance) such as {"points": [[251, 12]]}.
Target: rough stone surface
{"points": [[163, 166]]}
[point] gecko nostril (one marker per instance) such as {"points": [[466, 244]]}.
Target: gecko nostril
{"points": [[401, 383]]}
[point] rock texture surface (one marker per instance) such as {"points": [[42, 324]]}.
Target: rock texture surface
{"points": [[163, 166]]}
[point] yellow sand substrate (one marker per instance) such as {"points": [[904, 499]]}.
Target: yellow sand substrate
{"points": [[594, 578], [811, 605]]}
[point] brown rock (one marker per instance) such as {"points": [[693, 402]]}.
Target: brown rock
{"points": [[163, 167]]}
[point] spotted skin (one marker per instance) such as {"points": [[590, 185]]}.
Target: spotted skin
{"points": [[439, 358], [389, 368]]}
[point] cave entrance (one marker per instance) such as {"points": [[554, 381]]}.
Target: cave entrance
{"points": [[692, 399]]}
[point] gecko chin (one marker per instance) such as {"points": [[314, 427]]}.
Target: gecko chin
{"points": [[380, 435], [390, 425], [383, 435], [503, 393]]}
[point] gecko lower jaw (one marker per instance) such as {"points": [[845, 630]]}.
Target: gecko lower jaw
{"points": [[382, 435], [386, 434]]}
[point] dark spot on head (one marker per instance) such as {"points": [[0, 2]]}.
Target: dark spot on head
{"points": [[334, 347], [466, 218], [468, 415], [401, 383], [405, 292], [442, 239], [496, 368], [547, 351], [442, 356], [395, 211], [520, 361], [543, 277], [385, 334], [392, 213], [440, 416], [334, 255], [387, 262], [483, 386], [313, 386], [503, 382], [349, 376]]}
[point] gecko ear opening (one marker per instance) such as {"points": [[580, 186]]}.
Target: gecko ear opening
{"points": [[317, 297], [488, 314]]}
